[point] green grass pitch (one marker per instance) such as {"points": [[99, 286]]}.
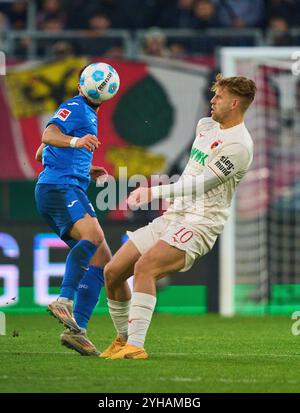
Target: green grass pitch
{"points": [[186, 354]]}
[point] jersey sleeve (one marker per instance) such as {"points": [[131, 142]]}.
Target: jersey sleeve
{"points": [[231, 160], [66, 118]]}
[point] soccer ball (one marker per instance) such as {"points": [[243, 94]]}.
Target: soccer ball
{"points": [[99, 82]]}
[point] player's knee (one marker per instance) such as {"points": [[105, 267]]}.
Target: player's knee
{"points": [[110, 276], [144, 267], [96, 237]]}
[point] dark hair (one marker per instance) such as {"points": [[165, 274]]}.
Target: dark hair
{"points": [[81, 70]]}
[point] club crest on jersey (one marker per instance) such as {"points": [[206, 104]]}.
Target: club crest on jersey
{"points": [[215, 144], [63, 114]]}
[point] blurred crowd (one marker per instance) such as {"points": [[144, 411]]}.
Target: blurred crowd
{"points": [[98, 16]]}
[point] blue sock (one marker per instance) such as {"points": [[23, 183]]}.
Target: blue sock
{"points": [[76, 266], [88, 295]]}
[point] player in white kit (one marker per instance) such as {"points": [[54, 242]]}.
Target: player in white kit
{"points": [[199, 206]]}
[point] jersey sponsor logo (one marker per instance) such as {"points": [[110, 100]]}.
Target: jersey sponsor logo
{"points": [[63, 114], [224, 165], [198, 156], [72, 203]]}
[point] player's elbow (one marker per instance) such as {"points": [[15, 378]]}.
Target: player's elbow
{"points": [[46, 138], [38, 157], [49, 133]]}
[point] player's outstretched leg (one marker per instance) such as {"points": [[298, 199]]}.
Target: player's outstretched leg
{"points": [[76, 266], [141, 310], [116, 273], [161, 259], [89, 235], [90, 286], [87, 298]]}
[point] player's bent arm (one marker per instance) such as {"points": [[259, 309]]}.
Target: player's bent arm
{"points": [[187, 185], [39, 152], [230, 161], [53, 136]]}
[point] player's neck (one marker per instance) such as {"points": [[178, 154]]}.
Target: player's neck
{"points": [[91, 104], [230, 123]]}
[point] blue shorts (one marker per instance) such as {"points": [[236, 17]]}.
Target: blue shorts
{"points": [[61, 206]]}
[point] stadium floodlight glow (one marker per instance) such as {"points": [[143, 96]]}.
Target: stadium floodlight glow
{"points": [[244, 241]]}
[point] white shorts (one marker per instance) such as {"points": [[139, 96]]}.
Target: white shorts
{"points": [[177, 234]]}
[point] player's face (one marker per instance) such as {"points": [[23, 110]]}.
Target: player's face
{"points": [[222, 105], [96, 107]]}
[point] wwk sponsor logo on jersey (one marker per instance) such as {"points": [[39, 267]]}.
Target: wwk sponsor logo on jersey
{"points": [[198, 156], [63, 114]]}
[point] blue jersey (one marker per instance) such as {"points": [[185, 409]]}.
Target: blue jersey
{"points": [[70, 166]]}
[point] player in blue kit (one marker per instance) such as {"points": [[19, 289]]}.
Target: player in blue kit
{"points": [[66, 153]]}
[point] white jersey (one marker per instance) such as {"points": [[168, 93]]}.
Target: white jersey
{"points": [[228, 153]]}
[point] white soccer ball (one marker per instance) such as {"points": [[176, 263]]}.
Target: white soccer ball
{"points": [[99, 82]]}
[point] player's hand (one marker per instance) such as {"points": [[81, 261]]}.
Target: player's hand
{"points": [[89, 142], [98, 174], [139, 196]]}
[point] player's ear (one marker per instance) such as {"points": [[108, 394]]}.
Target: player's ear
{"points": [[236, 103]]}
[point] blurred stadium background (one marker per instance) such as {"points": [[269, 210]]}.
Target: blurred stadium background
{"points": [[167, 52]]}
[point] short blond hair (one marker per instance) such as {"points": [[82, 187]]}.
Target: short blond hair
{"points": [[240, 86]]}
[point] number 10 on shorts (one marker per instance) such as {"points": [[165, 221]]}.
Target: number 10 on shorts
{"points": [[183, 235]]}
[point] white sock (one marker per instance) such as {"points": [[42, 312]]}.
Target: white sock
{"points": [[140, 314], [119, 312]]}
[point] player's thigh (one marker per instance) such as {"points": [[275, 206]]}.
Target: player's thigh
{"points": [[69, 212], [87, 228], [159, 260], [121, 266]]}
